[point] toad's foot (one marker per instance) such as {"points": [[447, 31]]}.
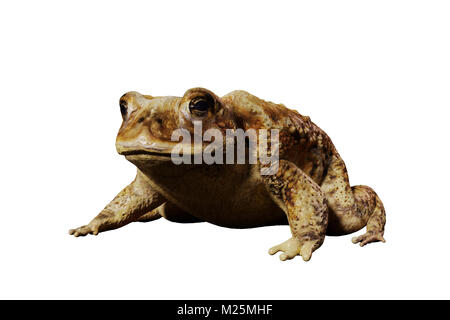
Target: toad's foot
{"points": [[91, 228], [294, 247], [368, 237]]}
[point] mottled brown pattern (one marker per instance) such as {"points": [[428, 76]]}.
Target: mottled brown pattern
{"points": [[310, 191], [305, 206]]}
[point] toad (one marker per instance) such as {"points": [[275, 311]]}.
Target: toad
{"points": [[308, 188]]}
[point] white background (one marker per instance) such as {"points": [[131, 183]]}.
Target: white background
{"points": [[375, 75]]}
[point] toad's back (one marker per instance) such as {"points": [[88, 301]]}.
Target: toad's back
{"points": [[301, 141]]}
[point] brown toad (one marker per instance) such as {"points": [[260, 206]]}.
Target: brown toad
{"points": [[309, 189]]}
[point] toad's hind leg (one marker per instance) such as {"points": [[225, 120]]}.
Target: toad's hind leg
{"points": [[352, 208], [369, 203], [171, 212], [150, 216]]}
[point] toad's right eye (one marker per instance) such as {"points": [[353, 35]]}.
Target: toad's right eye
{"points": [[123, 109], [199, 106]]}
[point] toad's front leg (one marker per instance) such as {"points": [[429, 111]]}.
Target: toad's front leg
{"points": [[136, 200], [305, 206]]}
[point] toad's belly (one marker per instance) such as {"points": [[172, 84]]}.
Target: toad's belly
{"points": [[226, 195]]}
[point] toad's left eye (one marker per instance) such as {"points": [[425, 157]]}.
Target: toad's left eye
{"points": [[200, 106]]}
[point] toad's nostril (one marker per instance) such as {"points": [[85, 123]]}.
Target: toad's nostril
{"points": [[141, 119], [159, 120]]}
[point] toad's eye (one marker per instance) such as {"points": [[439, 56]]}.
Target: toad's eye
{"points": [[123, 109], [200, 106]]}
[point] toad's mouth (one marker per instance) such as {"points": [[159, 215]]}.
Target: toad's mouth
{"points": [[145, 152], [154, 150], [140, 149]]}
